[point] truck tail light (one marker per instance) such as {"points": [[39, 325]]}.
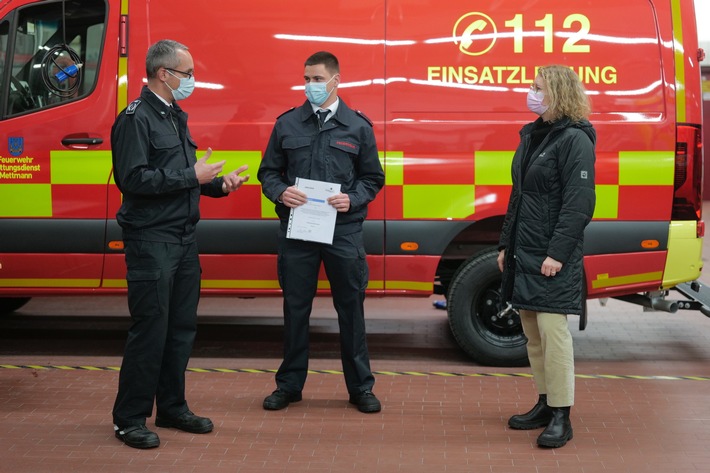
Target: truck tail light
{"points": [[688, 179]]}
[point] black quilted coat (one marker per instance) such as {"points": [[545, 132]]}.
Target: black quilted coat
{"points": [[550, 205]]}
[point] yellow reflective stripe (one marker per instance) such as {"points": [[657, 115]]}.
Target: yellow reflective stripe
{"points": [[262, 284], [80, 167], [235, 159], [25, 200], [438, 201], [492, 168], [239, 284], [646, 168], [410, 286], [49, 282], [607, 205], [679, 50], [603, 280], [394, 167], [122, 86], [375, 284], [684, 261], [114, 283], [211, 284]]}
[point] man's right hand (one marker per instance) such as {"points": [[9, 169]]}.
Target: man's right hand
{"points": [[292, 197], [206, 172]]}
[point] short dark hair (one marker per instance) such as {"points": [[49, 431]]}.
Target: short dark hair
{"points": [[162, 54], [327, 59]]}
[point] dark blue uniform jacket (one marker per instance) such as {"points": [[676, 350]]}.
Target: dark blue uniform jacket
{"points": [[343, 152], [153, 165]]}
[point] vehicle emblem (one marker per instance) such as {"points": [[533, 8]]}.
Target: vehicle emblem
{"points": [[16, 145]]}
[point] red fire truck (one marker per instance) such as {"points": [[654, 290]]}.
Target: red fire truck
{"points": [[445, 85]]}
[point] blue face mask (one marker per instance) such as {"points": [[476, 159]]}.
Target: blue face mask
{"points": [[317, 92], [187, 85]]}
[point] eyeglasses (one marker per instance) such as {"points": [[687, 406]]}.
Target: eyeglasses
{"points": [[188, 74]]}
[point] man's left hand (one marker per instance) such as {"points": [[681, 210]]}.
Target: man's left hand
{"points": [[341, 202]]}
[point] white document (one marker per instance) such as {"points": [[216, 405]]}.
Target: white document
{"points": [[314, 220]]}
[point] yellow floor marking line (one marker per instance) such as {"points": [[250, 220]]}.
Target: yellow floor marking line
{"points": [[383, 373]]}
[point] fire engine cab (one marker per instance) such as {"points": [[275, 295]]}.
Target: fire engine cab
{"points": [[445, 85]]}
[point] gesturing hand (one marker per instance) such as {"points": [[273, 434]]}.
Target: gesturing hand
{"points": [[233, 180], [206, 172]]}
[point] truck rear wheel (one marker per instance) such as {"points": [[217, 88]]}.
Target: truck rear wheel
{"points": [[11, 304], [473, 305]]}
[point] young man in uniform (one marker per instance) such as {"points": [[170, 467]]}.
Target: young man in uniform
{"points": [[156, 169], [323, 140]]}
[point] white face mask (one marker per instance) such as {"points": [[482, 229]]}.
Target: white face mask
{"points": [[535, 102]]}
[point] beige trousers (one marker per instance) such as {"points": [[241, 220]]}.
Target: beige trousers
{"points": [[551, 355]]}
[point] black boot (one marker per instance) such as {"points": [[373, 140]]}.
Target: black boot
{"points": [[538, 416], [558, 431]]}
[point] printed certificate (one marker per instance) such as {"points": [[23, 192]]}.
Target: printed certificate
{"points": [[314, 220]]}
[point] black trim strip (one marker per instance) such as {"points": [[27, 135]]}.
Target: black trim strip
{"points": [[609, 237], [51, 236], [260, 236]]}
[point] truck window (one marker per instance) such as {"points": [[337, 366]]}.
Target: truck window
{"points": [[4, 25], [53, 50]]}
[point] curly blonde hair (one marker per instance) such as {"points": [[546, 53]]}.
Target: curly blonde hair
{"points": [[566, 95]]}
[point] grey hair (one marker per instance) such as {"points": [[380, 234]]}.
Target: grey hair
{"points": [[162, 54]]}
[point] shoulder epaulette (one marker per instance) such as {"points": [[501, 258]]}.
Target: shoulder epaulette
{"points": [[131, 109], [287, 111], [364, 117]]}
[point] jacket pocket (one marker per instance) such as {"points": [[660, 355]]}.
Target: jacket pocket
{"points": [[296, 142], [162, 142], [345, 145], [342, 154]]}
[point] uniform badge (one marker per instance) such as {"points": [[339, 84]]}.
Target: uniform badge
{"points": [[131, 109]]}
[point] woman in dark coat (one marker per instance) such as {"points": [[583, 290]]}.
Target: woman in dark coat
{"points": [[541, 258]]}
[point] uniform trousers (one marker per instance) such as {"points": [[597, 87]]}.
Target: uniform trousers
{"points": [[163, 293], [345, 265], [551, 355]]}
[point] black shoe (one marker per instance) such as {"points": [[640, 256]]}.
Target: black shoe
{"points": [[187, 422], [539, 416], [366, 402], [137, 436], [280, 399], [558, 431]]}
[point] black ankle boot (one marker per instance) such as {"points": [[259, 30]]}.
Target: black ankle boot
{"points": [[558, 431], [538, 416]]}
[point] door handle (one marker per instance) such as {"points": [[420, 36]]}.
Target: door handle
{"points": [[69, 142]]}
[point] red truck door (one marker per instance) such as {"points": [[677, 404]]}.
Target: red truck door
{"points": [[55, 159]]}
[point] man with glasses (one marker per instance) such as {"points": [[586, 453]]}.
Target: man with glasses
{"points": [[156, 169]]}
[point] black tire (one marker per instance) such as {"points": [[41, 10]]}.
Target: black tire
{"points": [[473, 304], [11, 304]]}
